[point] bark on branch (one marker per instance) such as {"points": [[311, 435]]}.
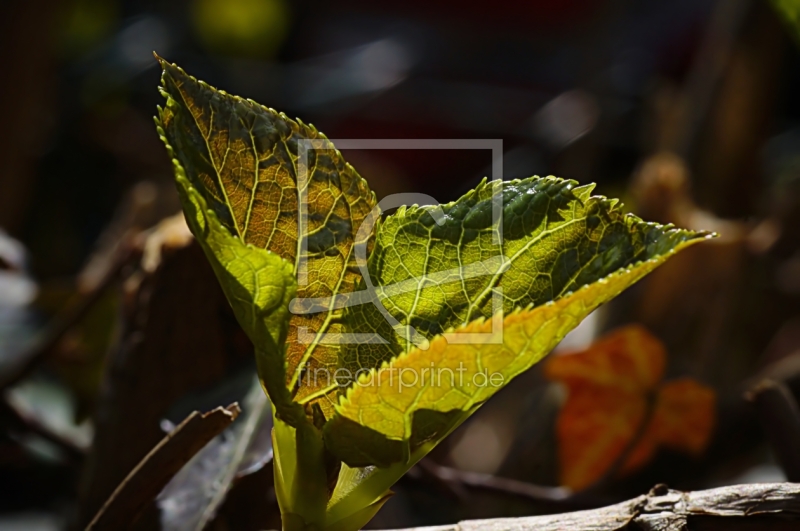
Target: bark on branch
{"points": [[768, 507]]}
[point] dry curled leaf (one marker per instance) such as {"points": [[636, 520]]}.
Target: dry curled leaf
{"points": [[614, 387]]}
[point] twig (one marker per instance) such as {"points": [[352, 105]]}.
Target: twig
{"points": [[543, 493], [67, 319], [773, 506], [495, 483], [153, 472], [780, 418], [25, 422]]}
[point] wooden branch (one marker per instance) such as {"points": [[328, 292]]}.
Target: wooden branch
{"points": [[767, 507], [153, 472]]}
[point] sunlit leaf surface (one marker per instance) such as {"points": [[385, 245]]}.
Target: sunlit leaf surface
{"points": [[246, 163], [422, 395], [425, 316], [431, 276], [258, 284]]}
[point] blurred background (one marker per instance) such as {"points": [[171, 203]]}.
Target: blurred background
{"points": [[113, 328]]}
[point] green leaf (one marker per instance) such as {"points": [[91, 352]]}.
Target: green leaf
{"points": [[246, 162], [474, 291], [258, 284], [556, 237], [358, 519], [563, 253]]}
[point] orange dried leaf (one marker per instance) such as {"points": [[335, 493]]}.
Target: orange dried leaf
{"points": [[627, 359], [611, 385], [685, 415]]}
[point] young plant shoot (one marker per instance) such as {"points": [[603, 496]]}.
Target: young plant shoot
{"points": [[376, 337]]}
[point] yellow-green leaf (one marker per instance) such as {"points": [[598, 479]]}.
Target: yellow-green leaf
{"points": [[555, 238], [421, 395], [259, 285], [246, 162]]}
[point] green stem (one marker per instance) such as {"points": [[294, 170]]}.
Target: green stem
{"points": [[361, 488], [300, 478]]}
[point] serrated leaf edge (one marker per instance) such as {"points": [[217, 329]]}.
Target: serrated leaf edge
{"points": [[319, 134], [701, 236]]}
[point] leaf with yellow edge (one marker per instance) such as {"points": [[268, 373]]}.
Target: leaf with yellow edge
{"points": [[503, 245], [457, 301], [258, 284], [393, 410], [244, 160]]}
